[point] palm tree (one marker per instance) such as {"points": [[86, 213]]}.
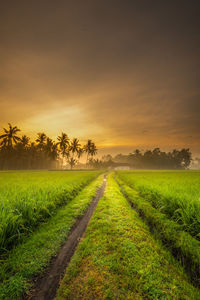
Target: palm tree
{"points": [[87, 149], [48, 146], [74, 147], [51, 149], [25, 141], [93, 150], [41, 139], [80, 152], [10, 136], [54, 151], [63, 143], [72, 162]]}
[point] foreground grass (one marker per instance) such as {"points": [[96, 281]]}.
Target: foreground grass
{"points": [[30, 257], [118, 259], [28, 198], [174, 193], [181, 244]]}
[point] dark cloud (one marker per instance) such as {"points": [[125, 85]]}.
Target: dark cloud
{"points": [[131, 67]]}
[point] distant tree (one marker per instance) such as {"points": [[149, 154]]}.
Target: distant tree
{"points": [[63, 143], [72, 162], [107, 157], [87, 149], [21, 153], [25, 141], [10, 136], [80, 152], [90, 149], [41, 139], [93, 150], [48, 146], [75, 152], [156, 159], [120, 158], [74, 147]]}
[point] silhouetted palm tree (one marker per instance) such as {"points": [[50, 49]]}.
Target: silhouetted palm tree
{"points": [[93, 150], [72, 162], [41, 139], [25, 141], [10, 136], [63, 143], [75, 147], [87, 149], [48, 146], [51, 149], [80, 152], [54, 151]]}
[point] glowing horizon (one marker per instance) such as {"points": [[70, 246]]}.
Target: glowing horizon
{"points": [[102, 71]]}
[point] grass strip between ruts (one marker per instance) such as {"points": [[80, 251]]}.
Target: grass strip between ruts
{"points": [[30, 258], [181, 243], [119, 259]]}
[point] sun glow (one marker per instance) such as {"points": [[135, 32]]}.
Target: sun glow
{"points": [[72, 120]]}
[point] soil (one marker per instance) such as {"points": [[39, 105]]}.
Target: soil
{"points": [[45, 286]]}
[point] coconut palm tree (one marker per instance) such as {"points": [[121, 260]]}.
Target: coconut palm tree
{"points": [[72, 161], [63, 143], [25, 141], [51, 149], [75, 147], [48, 146], [93, 150], [80, 152], [41, 139], [87, 149], [10, 136]]}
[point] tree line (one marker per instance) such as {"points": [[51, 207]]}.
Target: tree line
{"points": [[149, 159], [44, 153]]}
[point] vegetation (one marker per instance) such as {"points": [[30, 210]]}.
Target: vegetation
{"points": [[118, 259], [20, 153], [183, 246], [155, 195], [29, 258], [29, 198], [175, 194], [150, 159]]}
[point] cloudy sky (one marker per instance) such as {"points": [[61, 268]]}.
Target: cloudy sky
{"points": [[122, 72]]}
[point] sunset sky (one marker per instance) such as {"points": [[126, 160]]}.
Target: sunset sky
{"points": [[123, 73]]}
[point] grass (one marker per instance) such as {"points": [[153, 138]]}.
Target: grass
{"points": [[33, 255], [118, 258], [29, 198], [181, 244], [174, 193]]}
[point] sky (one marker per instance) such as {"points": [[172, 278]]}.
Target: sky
{"points": [[123, 73]]}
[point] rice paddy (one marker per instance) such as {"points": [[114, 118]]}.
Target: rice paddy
{"points": [[143, 240], [29, 198]]}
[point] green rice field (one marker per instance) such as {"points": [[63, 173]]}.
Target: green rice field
{"points": [[29, 198], [142, 241], [174, 193]]}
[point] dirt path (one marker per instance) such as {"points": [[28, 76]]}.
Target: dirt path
{"points": [[45, 287]]}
